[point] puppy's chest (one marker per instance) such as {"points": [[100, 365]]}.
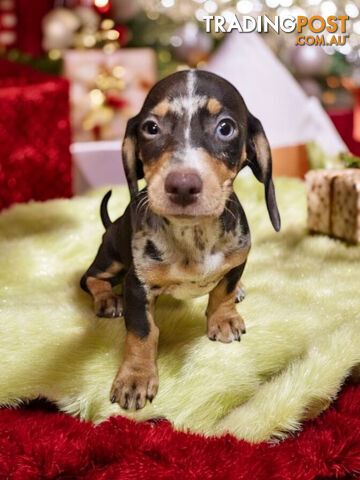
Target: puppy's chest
{"points": [[186, 263]]}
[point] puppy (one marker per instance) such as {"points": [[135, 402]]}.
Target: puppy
{"points": [[186, 233]]}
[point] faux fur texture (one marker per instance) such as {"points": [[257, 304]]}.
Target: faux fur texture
{"points": [[37, 444], [302, 313]]}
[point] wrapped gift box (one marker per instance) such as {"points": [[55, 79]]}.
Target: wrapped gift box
{"points": [[333, 198], [35, 161], [96, 164], [107, 89]]}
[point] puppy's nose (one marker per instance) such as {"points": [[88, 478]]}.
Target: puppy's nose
{"points": [[183, 186]]}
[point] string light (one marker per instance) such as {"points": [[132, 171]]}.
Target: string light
{"points": [[97, 97], [328, 8], [286, 3], [102, 6], [210, 6], [244, 6], [168, 3], [272, 3], [107, 24], [200, 13], [112, 35], [356, 27], [352, 10], [89, 41], [54, 54], [186, 10], [101, 3]]}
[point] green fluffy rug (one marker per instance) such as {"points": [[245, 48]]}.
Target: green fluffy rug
{"points": [[302, 312]]}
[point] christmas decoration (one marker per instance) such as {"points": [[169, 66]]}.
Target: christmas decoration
{"points": [[64, 28], [186, 10], [309, 60], [334, 202], [59, 28], [123, 10], [190, 45], [8, 21], [308, 63], [175, 30], [107, 89], [34, 135]]}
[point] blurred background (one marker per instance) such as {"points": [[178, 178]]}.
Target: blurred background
{"points": [[73, 71]]}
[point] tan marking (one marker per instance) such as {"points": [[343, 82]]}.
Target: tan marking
{"points": [[114, 268], [218, 167], [128, 148], [137, 379], [217, 185], [263, 153], [223, 321], [161, 108], [98, 287], [243, 154], [106, 303], [129, 161], [153, 167], [214, 106]]}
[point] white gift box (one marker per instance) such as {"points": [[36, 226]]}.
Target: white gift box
{"points": [[96, 164]]}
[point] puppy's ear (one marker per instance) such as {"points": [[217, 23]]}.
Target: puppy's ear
{"points": [[259, 160], [130, 156]]}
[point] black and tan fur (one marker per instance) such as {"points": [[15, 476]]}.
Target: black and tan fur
{"points": [[186, 233]]}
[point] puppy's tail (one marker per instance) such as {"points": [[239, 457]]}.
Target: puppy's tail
{"points": [[104, 211]]}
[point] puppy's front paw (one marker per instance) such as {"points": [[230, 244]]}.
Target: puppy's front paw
{"points": [[226, 329], [109, 306], [133, 386]]}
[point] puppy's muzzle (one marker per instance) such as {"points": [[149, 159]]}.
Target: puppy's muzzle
{"points": [[183, 187]]}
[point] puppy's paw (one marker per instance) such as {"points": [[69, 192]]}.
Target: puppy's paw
{"points": [[240, 293], [133, 386], [226, 329], [109, 306]]}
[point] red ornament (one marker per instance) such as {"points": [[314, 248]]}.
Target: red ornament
{"points": [[116, 102], [124, 34], [35, 161]]}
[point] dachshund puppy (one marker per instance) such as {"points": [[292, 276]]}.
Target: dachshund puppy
{"points": [[186, 233]]}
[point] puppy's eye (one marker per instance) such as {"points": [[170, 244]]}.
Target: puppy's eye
{"points": [[150, 128], [225, 129]]}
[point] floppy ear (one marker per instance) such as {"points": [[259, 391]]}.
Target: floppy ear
{"points": [[259, 160], [130, 156]]}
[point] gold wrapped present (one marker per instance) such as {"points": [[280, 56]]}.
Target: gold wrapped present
{"points": [[333, 199]]}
